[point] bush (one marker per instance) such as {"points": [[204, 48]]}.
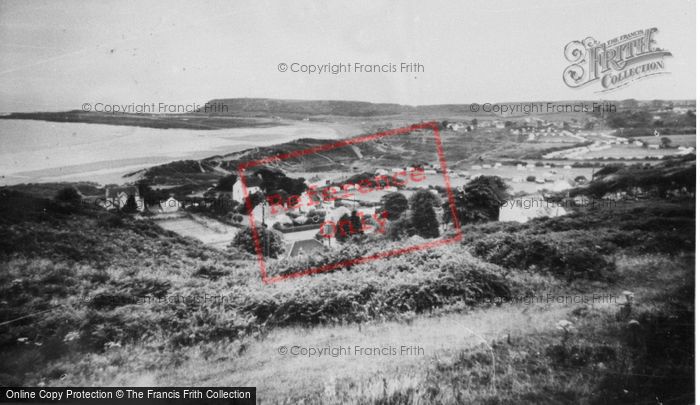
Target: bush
{"points": [[270, 241], [544, 253], [68, 195], [429, 280], [423, 218], [402, 228]]}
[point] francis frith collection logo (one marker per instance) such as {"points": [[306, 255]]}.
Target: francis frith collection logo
{"points": [[615, 63]]}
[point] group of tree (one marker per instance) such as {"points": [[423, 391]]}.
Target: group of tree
{"points": [[411, 217], [226, 183], [274, 181], [149, 195], [480, 200]]}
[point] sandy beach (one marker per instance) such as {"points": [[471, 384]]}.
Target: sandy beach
{"points": [[39, 151]]}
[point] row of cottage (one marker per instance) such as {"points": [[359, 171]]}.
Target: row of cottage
{"points": [[118, 197]]}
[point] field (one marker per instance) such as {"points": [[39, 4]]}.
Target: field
{"points": [[676, 140], [628, 152], [210, 232]]}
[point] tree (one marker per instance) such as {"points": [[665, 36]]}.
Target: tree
{"points": [[149, 195], [356, 223], [226, 183], [347, 227], [665, 142], [223, 205], [68, 195], [478, 201], [394, 204], [130, 207], [270, 242], [401, 228], [423, 218]]}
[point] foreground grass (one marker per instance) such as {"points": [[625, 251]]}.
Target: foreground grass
{"points": [[84, 268], [512, 353]]}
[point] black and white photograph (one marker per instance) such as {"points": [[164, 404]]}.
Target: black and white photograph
{"points": [[347, 202]]}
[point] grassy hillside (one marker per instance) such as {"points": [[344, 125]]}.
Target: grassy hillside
{"points": [[461, 151], [78, 280], [92, 297]]}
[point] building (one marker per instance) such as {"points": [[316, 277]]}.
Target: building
{"points": [[170, 205], [305, 247], [253, 184]]}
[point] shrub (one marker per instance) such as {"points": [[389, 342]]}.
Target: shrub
{"points": [[270, 241], [68, 195], [545, 253], [401, 228], [423, 218]]}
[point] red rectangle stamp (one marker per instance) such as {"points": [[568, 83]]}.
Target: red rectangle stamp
{"points": [[362, 220]]}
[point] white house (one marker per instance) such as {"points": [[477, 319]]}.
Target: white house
{"points": [[252, 184], [170, 205]]}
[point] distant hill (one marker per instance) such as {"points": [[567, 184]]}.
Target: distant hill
{"points": [[266, 106], [308, 108], [247, 112]]}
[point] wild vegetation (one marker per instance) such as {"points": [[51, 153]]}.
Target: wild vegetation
{"points": [[91, 296]]}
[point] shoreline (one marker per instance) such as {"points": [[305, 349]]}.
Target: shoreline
{"points": [[44, 151]]}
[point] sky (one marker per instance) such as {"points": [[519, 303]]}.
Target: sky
{"points": [[58, 54]]}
